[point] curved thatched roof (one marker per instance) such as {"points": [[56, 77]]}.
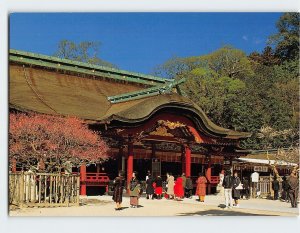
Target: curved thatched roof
{"points": [[58, 86]]}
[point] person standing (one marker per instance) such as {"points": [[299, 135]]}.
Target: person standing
{"points": [[235, 191], [220, 188], [293, 183], [134, 191], [246, 186], [201, 187], [178, 189], [254, 182], [285, 189], [188, 187], [149, 187], [148, 174], [119, 183], [170, 184], [275, 187], [183, 182], [158, 187], [227, 184]]}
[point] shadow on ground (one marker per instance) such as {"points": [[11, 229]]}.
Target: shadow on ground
{"points": [[123, 208], [94, 202], [222, 213]]}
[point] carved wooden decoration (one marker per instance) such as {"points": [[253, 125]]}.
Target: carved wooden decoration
{"points": [[161, 131], [170, 124]]}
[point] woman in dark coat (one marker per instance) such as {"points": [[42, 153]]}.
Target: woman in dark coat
{"points": [[236, 192], [149, 187], [119, 183]]}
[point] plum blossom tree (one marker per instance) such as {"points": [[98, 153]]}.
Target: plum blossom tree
{"points": [[57, 141]]}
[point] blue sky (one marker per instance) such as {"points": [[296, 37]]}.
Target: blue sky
{"points": [[141, 41]]}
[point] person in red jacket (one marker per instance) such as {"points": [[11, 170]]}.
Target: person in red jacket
{"points": [[201, 187], [158, 187], [178, 189]]}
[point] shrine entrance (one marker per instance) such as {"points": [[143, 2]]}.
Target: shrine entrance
{"points": [[141, 166], [169, 142]]}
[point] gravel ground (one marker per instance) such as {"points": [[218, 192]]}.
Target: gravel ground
{"points": [[104, 206]]}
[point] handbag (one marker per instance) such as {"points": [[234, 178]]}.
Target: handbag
{"points": [[239, 187]]}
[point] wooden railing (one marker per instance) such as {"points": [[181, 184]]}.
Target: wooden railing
{"points": [[215, 180], [96, 179], [264, 186], [43, 189]]}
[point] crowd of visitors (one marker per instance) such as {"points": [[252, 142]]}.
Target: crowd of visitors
{"points": [[182, 187], [289, 189]]}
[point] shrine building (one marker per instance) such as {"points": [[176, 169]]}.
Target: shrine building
{"points": [[146, 121]]}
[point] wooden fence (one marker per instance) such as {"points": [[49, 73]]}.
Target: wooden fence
{"points": [[264, 186], [43, 189]]}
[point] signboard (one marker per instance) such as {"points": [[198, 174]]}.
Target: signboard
{"points": [[261, 169]]}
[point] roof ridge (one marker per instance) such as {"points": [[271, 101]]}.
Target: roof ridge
{"points": [[111, 71], [152, 91]]}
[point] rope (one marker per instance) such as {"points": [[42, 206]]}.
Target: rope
{"points": [[35, 92]]}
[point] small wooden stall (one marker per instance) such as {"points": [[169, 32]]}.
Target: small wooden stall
{"points": [[260, 163]]}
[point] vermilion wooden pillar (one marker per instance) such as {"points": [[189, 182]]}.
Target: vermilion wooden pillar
{"points": [[187, 161], [208, 176], [129, 164], [83, 179]]}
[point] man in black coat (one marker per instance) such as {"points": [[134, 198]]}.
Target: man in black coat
{"points": [[293, 182], [275, 187], [228, 184], [246, 187], [285, 189]]}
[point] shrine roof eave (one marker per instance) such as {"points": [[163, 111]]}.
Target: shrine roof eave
{"points": [[266, 161], [136, 112], [40, 60]]}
